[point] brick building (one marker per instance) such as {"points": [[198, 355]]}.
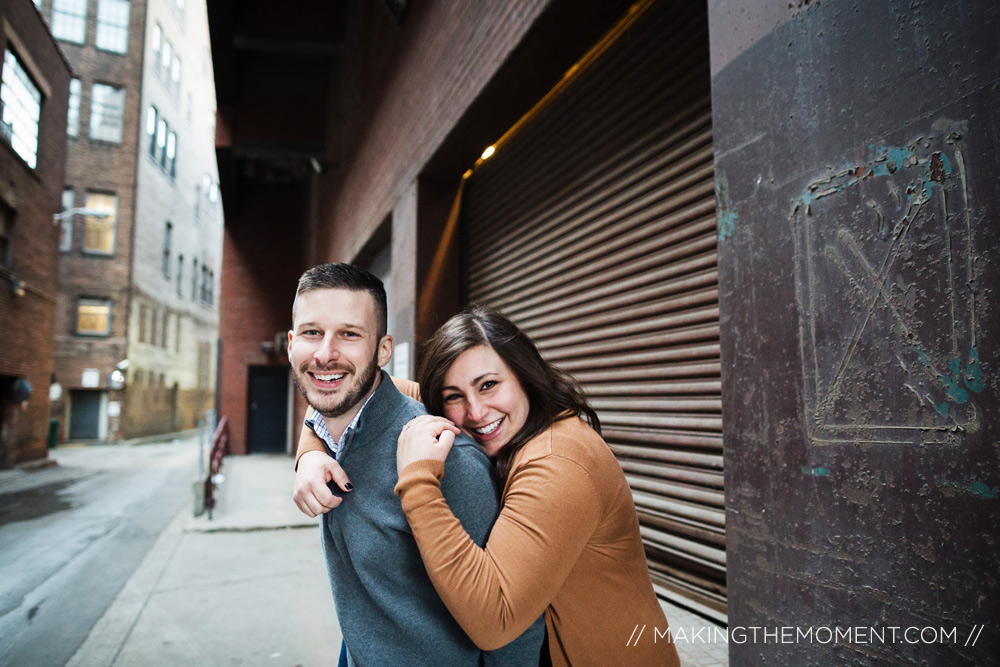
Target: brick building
{"points": [[34, 89], [134, 338], [759, 234]]}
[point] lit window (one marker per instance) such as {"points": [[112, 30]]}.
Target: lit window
{"points": [[22, 105], [157, 43], [170, 155], [93, 317], [69, 20], [73, 115], [112, 25], [99, 233], [151, 130], [166, 55], [107, 106], [175, 75], [161, 139], [66, 241]]}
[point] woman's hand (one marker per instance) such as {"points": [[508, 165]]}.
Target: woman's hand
{"points": [[425, 437]]}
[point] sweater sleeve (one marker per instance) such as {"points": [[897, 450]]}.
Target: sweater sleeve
{"points": [[308, 442], [549, 513]]}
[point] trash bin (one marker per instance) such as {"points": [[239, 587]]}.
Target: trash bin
{"points": [[53, 432]]}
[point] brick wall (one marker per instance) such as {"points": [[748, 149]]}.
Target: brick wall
{"points": [[261, 267], [26, 322], [90, 275]]}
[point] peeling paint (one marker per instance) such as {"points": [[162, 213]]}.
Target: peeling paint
{"points": [[725, 213], [976, 488]]}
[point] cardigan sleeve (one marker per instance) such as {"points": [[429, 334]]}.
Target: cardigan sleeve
{"points": [[308, 442], [549, 512]]}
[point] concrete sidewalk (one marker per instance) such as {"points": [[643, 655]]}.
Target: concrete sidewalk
{"points": [[247, 588]]}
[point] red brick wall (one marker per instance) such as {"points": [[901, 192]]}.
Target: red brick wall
{"points": [[261, 266], [26, 323], [407, 86]]}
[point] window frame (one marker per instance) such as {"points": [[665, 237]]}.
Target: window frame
{"points": [[102, 302], [98, 115], [21, 100], [106, 27], [63, 20], [94, 225]]}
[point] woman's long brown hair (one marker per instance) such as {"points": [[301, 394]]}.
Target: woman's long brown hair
{"points": [[550, 391]]}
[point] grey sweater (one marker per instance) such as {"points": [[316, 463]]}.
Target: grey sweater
{"points": [[388, 610]]}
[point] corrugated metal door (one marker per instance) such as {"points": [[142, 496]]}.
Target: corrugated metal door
{"points": [[594, 228]]}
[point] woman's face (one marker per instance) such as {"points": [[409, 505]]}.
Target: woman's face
{"points": [[484, 398]]}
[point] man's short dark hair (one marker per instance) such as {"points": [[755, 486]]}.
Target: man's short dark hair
{"points": [[350, 277]]}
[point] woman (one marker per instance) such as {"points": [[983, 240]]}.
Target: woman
{"points": [[567, 538]]}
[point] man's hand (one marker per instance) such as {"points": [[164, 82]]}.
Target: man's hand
{"points": [[424, 437], [315, 471]]}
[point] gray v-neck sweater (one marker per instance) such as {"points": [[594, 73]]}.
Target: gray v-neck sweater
{"points": [[388, 609]]}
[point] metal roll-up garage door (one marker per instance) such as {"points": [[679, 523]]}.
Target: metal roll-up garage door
{"points": [[594, 228]]}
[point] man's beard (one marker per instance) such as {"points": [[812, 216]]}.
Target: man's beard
{"points": [[362, 385]]}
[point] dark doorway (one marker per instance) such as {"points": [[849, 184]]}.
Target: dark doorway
{"points": [[267, 417], [85, 415]]}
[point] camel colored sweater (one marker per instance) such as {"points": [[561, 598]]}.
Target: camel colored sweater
{"points": [[566, 543]]}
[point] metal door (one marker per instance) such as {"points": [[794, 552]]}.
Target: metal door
{"points": [[594, 228], [85, 415], [267, 417]]}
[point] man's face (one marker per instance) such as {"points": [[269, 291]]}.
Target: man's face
{"points": [[334, 348]]}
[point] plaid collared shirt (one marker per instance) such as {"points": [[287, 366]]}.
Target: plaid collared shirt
{"points": [[316, 422]]}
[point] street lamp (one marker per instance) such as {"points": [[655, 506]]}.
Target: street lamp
{"points": [[93, 212]]}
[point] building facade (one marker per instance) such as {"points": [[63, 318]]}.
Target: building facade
{"points": [[34, 91], [131, 351], [760, 238]]}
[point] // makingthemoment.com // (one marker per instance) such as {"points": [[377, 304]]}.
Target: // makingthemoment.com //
{"points": [[890, 634]]}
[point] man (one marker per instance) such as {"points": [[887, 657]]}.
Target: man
{"points": [[388, 610]]}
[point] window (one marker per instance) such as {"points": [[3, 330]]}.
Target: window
{"points": [[6, 231], [112, 25], [169, 158], [162, 142], [69, 20], [66, 240], [93, 317], [154, 319], [142, 328], [175, 75], [99, 233], [151, 121], [194, 280], [207, 286], [73, 115], [157, 43], [166, 55], [180, 275], [167, 240], [22, 105], [107, 106]]}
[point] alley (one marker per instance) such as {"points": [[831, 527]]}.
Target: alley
{"points": [[72, 534]]}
